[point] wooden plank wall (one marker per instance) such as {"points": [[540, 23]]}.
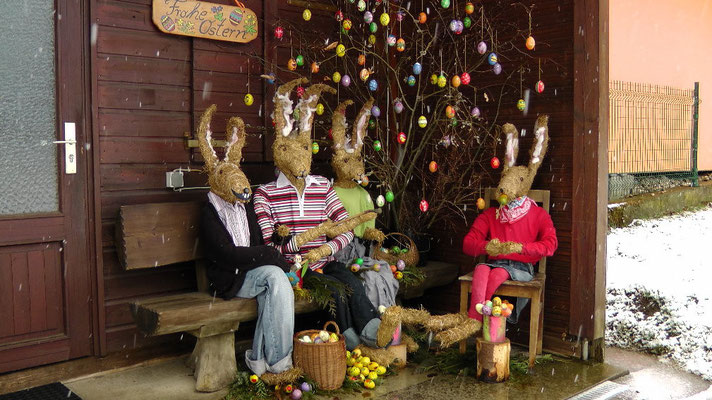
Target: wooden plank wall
{"points": [[151, 88]]}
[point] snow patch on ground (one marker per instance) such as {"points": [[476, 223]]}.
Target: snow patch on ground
{"points": [[659, 283]]}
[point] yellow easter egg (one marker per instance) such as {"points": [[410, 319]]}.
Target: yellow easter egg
{"points": [[365, 361], [319, 111], [369, 384], [249, 99], [385, 19], [341, 50], [356, 353], [381, 370], [350, 362], [336, 77], [372, 375], [373, 366], [364, 371], [307, 14]]}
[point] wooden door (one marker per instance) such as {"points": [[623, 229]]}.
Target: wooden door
{"points": [[45, 268]]}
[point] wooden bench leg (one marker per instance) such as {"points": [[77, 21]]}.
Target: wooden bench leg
{"points": [[534, 329], [464, 295], [213, 358], [540, 342]]}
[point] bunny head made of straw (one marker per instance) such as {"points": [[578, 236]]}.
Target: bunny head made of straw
{"points": [[347, 161]]}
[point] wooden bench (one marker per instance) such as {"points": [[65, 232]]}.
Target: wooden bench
{"points": [[533, 289], [160, 234]]}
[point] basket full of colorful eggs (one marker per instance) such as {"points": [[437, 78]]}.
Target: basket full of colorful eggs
{"points": [[403, 249], [321, 355], [494, 318]]}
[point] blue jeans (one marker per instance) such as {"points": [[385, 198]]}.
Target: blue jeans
{"points": [[272, 344]]}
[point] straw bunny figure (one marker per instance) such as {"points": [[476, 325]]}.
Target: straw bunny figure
{"points": [[514, 236], [239, 264], [348, 165]]}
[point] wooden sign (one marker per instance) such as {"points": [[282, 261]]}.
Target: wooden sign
{"points": [[205, 20]]}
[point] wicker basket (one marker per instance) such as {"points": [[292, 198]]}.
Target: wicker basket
{"points": [[410, 258], [325, 363]]}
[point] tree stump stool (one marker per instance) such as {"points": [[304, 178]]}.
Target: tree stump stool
{"points": [[492, 360]]}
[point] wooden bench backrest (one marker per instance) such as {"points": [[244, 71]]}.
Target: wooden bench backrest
{"points": [[541, 197]]}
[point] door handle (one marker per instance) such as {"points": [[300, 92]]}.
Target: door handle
{"points": [[70, 147]]}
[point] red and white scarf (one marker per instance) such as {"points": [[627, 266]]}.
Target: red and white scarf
{"points": [[515, 210]]}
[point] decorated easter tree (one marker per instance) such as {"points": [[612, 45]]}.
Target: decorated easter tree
{"points": [[439, 72]]}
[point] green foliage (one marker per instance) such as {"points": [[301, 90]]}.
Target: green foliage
{"points": [[412, 276], [519, 365], [243, 389], [318, 289]]}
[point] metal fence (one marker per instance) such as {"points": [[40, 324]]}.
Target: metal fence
{"points": [[652, 142]]}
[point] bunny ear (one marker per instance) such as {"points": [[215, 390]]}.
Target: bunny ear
{"points": [[235, 135], [359, 130], [282, 114], [541, 142], [338, 125], [205, 138], [510, 154], [307, 107]]}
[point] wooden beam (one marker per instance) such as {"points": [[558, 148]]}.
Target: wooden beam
{"points": [[590, 170]]}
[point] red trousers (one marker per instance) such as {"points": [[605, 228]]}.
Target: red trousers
{"points": [[485, 281]]}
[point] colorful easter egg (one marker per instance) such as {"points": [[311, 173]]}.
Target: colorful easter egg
{"points": [[449, 111], [364, 74], [486, 310], [475, 112], [422, 121], [305, 387], [433, 166], [315, 147], [422, 18], [371, 123], [364, 181], [296, 394], [503, 199], [372, 375], [361, 59], [292, 64], [453, 25], [380, 370], [400, 265], [411, 80], [445, 141], [478, 307], [369, 384], [339, 15], [424, 205], [394, 269], [288, 389], [361, 5], [445, 3], [469, 8], [377, 145], [372, 85], [434, 79], [380, 200], [497, 69], [389, 196], [442, 81], [368, 17], [400, 44], [481, 203], [307, 14], [300, 60], [236, 16], [314, 67], [417, 68], [340, 50], [539, 86], [482, 47], [399, 16], [492, 58], [460, 26], [398, 275], [249, 99], [530, 43], [494, 162], [254, 378], [336, 77], [373, 27], [167, 23], [496, 311], [496, 301], [347, 24], [375, 111], [346, 80], [398, 106], [372, 39], [465, 78], [467, 22], [385, 19], [355, 267], [455, 81], [402, 137], [278, 32], [521, 105], [391, 40]]}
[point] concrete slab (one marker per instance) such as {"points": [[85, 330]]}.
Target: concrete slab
{"points": [[166, 380]]}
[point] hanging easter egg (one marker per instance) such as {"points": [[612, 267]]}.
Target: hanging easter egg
{"points": [[422, 121], [347, 24], [400, 44], [278, 32], [402, 137], [494, 162], [411, 80], [399, 16], [380, 200], [433, 79], [319, 109], [465, 78], [530, 43], [492, 59], [467, 22], [364, 181], [398, 106], [372, 39], [460, 27], [422, 18], [336, 77], [445, 3], [367, 17], [364, 74], [385, 19], [424, 205], [300, 60], [249, 99], [482, 47], [481, 203], [453, 25], [372, 85], [453, 122], [445, 141], [497, 69], [539, 87], [450, 112], [315, 147], [417, 68], [300, 93], [339, 15], [455, 81], [469, 8], [373, 27], [521, 105], [377, 145], [306, 14], [371, 123], [390, 197], [475, 112], [375, 111], [433, 166], [361, 59], [292, 64], [346, 80], [391, 40], [442, 81], [314, 67], [361, 5], [341, 50], [503, 199]]}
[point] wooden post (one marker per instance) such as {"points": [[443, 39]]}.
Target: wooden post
{"points": [[213, 358], [492, 360]]}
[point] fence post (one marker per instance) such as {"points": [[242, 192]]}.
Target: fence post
{"points": [[695, 121]]}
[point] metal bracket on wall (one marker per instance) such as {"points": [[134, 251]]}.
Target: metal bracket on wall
{"points": [[193, 143], [312, 4]]}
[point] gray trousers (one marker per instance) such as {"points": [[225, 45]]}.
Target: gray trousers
{"points": [[381, 287]]}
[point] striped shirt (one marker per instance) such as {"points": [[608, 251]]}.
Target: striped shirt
{"points": [[279, 202]]}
